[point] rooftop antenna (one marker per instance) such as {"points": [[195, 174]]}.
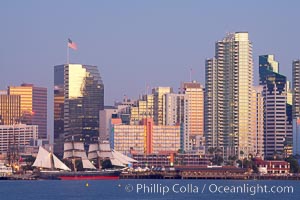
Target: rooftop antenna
{"points": [[191, 71]]}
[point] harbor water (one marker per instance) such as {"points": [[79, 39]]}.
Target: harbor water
{"points": [[149, 189]]}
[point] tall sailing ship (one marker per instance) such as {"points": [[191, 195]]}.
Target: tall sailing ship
{"points": [[74, 151]]}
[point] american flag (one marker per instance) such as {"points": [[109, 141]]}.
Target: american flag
{"points": [[72, 44]]}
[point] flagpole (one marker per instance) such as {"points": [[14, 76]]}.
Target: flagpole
{"points": [[68, 53]]}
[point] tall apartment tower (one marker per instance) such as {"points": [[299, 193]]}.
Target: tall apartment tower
{"points": [[277, 122], [78, 98], [211, 106], [194, 112], [257, 121], [296, 88], [296, 107], [33, 106], [229, 81], [159, 114], [177, 115]]}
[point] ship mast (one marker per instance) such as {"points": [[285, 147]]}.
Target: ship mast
{"points": [[51, 158], [74, 151], [13, 148], [100, 151]]}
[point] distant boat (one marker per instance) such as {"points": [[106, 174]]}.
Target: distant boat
{"points": [[5, 172]]}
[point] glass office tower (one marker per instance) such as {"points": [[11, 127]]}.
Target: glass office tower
{"points": [[78, 98], [278, 114]]}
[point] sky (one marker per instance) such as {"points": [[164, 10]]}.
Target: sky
{"points": [[136, 44]]}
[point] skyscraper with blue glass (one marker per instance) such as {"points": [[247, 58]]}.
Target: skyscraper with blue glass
{"points": [[277, 113], [78, 98]]}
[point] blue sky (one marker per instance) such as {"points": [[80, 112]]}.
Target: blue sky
{"points": [[138, 43]]}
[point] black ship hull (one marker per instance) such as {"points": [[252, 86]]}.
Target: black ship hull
{"points": [[82, 175]]}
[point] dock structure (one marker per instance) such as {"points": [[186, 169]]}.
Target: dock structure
{"points": [[187, 172], [230, 173]]}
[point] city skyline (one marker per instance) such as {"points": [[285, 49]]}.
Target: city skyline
{"points": [[159, 41]]}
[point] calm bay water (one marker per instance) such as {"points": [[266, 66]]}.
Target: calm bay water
{"points": [[149, 189]]}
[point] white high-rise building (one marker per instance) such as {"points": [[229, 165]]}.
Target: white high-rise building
{"points": [[296, 88], [211, 106], [296, 107], [177, 115], [229, 81]]}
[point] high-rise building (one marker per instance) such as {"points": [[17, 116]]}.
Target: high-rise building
{"points": [[175, 109], [229, 81], [257, 121], [296, 136], [288, 148], [10, 109], [289, 98], [78, 98], [159, 109], [33, 106], [194, 112], [106, 116], [177, 115], [277, 116], [296, 88], [211, 105], [296, 106]]}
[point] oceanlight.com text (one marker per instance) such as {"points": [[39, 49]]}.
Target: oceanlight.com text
{"points": [[177, 188]]}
